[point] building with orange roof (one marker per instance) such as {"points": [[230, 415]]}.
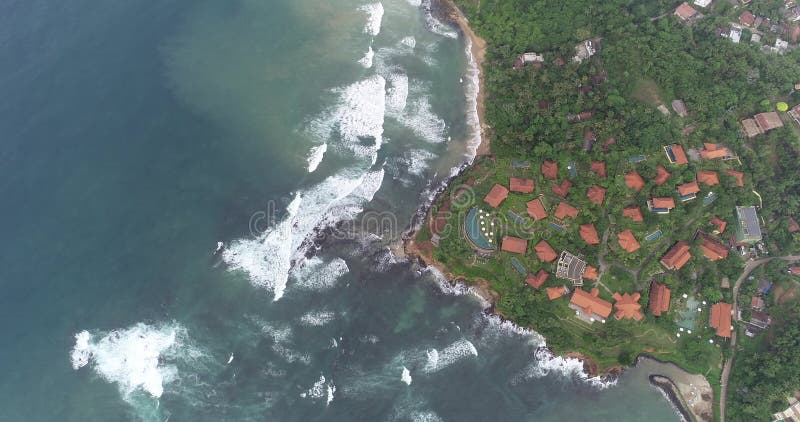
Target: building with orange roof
{"points": [[634, 213], [712, 151], [536, 209], [588, 306], [589, 234], [599, 168], [514, 245], [712, 249], [662, 175], [661, 205], [545, 252], [685, 12], [554, 293], [768, 121], [738, 175], [496, 196], [677, 256], [719, 223], [634, 181], [627, 241], [565, 210], [590, 273], [794, 270], [596, 194], [721, 319], [708, 177], [521, 185], [550, 170], [792, 225], [562, 189], [538, 279], [628, 306], [675, 154], [688, 188], [659, 298]]}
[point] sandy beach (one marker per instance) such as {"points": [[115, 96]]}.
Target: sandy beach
{"points": [[690, 393]]}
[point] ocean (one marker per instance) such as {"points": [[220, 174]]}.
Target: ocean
{"points": [[199, 204]]}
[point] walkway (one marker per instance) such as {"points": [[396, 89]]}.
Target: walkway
{"points": [[726, 370]]}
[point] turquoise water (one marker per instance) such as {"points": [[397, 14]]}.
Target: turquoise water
{"points": [[473, 228], [137, 135]]}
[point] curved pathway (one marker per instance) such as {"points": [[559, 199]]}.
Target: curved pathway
{"points": [[726, 370]]}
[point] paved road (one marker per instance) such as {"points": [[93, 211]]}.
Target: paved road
{"points": [[726, 370]]}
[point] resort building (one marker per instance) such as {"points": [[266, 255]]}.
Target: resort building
{"points": [[738, 175], [550, 170], [719, 224], [757, 303], [588, 306], [761, 123], [496, 196], [721, 319], [536, 209], [521, 185], [713, 151], [680, 108], [661, 205], [545, 252], [661, 176], [627, 241], [677, 256], [634, 181], [685, 13], [708, 177], [712, 249], [554, 293], [590, 273], [748, 229], [628, 306], [538, 279], [514, 245], [536, 59], [791, 414], [562, 189], [675, 154], [564, 210], [570, 267], [688, 191], [599, 168], [589, 234], [634, 213], [596, 194], [659, 298]]}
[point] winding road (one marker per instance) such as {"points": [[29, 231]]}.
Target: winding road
{"points": [[726, 370]]}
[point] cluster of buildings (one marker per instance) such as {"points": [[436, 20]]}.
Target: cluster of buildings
{"points": [[761, 123]]}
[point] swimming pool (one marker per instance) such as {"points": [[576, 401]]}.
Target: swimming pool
{"points": [[472, 227]]}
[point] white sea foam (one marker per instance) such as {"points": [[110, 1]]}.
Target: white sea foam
{"points": [[457, 288], [366, 61], [321, 388], [374, 13], [406, 376], [495, 327], [546, 363], [455, 352], [317, 318], [315, 274], [315, 156], [396, 94], [471, 91], [141, 357], [409, 41], [425, 416], [434, 25]]}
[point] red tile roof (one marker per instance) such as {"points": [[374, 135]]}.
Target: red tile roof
{"points": [[680, 156], [634, 212], [590, 273], [708, 177], [677, 256], [590, 303], [589, 136], [514, 244], [565, 210], [738, 175], [589, 234], [545, 252], [684, 11], [768, 121], [627, 241], [757, 302], [662, 175], [794, 270], [537, 280], [496, 196], [688, 188], [713, 250], [596, 194], [536, 209], [599, 168], [711, 151], [664, 202], [721, 319], [747, 18], [550, 170], [628, 306], [521, 185], [659, 298], [719, 223], [554, 293], [562, 189], [792, 226], [634, 181]]}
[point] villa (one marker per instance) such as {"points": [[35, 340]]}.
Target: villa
{"points": [[712, 249], [721, 319], [628, 306], [565, 210], [634, 213], [688, 191], [496, 196], [634, 181], [588, 306], [677, 256], [536, 209], [662, 175], [590, 273], [562, 189], [708, 177], [719, 223], [659, 298], [521, 185], [686, 13], [514, 245], [537, 280], [675, 154], [554, 293], [661, 205], [550, 170], [545, 252], [599, 168], [738, 175], [571, 267], [627, 241], [712, 151], [589, 234], [761, 123], [596, 194]]}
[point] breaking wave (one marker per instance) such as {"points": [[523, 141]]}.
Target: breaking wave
{"points": [[315, 156], [451, 354], [435, 25], [315, 274], [366, 61], [374, 13], [321, 388]]}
